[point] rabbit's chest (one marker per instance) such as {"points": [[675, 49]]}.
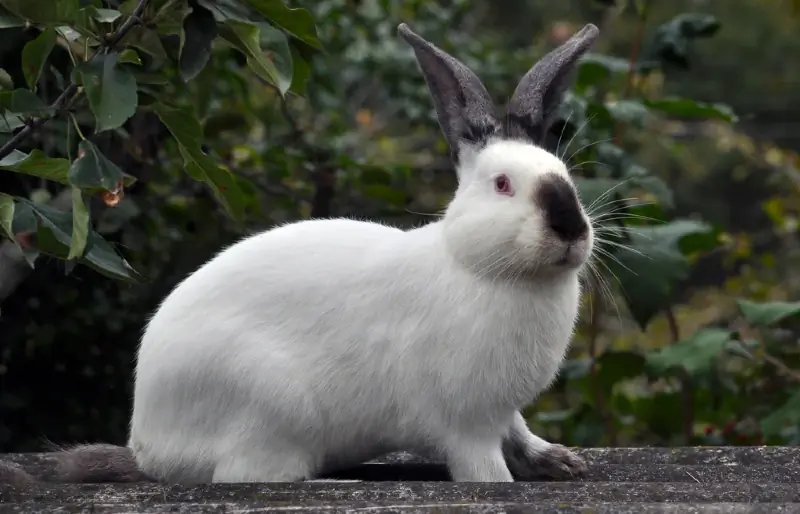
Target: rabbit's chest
{"points": [[514, 345]]}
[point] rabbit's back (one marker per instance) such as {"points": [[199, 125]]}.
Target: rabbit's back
{"points": [[259, 335]]}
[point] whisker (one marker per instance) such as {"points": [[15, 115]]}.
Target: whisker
{"points": [[566, 148], [622, 247], [616, 230], [614, 258], [612, 202], [605, 195], [605, 290], [431, 214], [558, 145], [580, 165], [625, 216], [584, 147]]}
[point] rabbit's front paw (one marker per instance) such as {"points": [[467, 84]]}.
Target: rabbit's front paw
{"points": [[553, 461]]}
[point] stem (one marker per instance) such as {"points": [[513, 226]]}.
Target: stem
{"points": [[636, 46], [771, 359], [69, 95], [687, 388], [687, 405], [23, 134], [77, 128], [599, 394], [324, 174], [780, 366], [674, 330]]}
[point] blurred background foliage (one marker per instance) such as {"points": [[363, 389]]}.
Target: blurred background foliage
{"points": [[208, 121]]}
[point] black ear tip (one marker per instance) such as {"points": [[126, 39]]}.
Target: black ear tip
{"points": [[589, 32], [412, 38], [591, 28], [405, 31]]}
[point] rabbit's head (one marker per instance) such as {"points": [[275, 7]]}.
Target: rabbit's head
{"points": [[516, 209]]}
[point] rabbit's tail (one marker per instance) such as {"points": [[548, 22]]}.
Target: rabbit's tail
{"points": [[85, 463], [12, 474]]}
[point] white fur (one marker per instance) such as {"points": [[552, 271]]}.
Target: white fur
{"points": [[326, 343]]}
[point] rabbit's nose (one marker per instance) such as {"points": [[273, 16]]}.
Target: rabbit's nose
{"points": [[568, 227], [561, 207]]}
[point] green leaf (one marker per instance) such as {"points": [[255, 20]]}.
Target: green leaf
{"points": [[107, 15], [230, 10], [93, 170], [784, 416], [637, 176], [102, 257], [672, 39], [596, 68], [9, 20], [767, 313], [185, 128], [695, 354], [297, 22], [575, 369], [24, 217], [688, 108], [46, 12], [24, 102], [54, 237], [111, 91], [87, 22], [9, 122], [629, 111], [5, 80], [277, 45], [650, 270], [246, 38], [37, 164], [35, 54], [615, 366], [129, 56], [301, 74], [25, 223], [147, 41], [199, 32], [80, 225], [7, 215]]}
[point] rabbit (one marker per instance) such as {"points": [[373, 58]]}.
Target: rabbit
{"points": [[324, 343]]}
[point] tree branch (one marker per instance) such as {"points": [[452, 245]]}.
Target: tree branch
{"points": [[601, 402], [69, 95], [324, 174]]}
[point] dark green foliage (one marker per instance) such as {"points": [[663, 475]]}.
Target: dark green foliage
{"points": [[178, 135]]}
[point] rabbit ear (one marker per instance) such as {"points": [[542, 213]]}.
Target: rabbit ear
{"points": [[540, 92], [464, 108]]}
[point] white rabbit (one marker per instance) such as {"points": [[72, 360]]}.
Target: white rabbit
{"points": [[321, 344]]}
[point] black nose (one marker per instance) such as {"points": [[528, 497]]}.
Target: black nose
{"points": [[561, 207]]}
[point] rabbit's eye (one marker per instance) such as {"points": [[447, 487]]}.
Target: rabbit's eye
{"points": [[503, 186]]}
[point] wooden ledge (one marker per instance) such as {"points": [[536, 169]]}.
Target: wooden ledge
{"points": [[621, 480]]}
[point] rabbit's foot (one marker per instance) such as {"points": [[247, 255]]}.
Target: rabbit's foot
{"points": [[530, 457], [532, 463]]}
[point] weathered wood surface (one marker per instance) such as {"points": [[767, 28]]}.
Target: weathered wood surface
{"points": [[751, 480]]}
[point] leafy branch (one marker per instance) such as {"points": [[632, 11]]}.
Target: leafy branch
{"points": [[71, 94], [136, 63]]}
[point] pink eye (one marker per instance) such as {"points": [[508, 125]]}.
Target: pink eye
{"points": [[502, 185]]}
